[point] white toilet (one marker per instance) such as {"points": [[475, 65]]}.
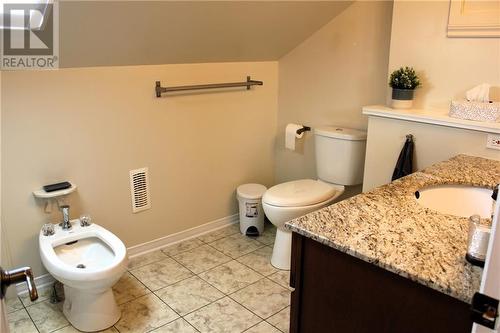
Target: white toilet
{"points": [[340, 157], [88, 260]]}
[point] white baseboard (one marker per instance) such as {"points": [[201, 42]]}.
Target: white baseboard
{"points": [[136, 250], [159, 243]]}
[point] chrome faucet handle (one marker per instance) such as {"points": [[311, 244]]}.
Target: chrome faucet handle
{"points": [[85, 220], [66, 224], [48, 229], [15, 276], [65, 210]]}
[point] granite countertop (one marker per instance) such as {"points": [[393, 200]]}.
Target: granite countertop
{"points": [[387, 227]]}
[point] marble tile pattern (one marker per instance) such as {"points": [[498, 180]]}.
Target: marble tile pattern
{"points": [[201, 259], [161, 274], [281, 320], [71, 329], [282, 278], [13, 304], [259, 260], [20, 321], [146, 259], [144, 314], [189, 295], [224, 315], [220, 233], [262, 327], [182, 246], [128, 288], [387, 227], [231, 277], [177, 326], [264, 298], [268, 236], [47, 317], [236, 245], [188, 287]]}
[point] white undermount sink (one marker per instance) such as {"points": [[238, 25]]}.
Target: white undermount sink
{"points": [[459, 200]]}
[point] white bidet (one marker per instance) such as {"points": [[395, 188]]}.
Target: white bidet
{"points": [[88, 261]]}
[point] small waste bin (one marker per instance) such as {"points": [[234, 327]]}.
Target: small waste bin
{"points": [[251, 212]]}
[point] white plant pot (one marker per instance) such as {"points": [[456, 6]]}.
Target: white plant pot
{"points": [[402, 104]]}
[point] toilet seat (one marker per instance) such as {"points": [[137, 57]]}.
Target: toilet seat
{"points": [[290, 200], [300, 193]]}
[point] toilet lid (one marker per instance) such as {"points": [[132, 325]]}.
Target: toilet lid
{"points": [[302, 192]]}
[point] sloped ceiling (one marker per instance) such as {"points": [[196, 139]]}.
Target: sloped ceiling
{"points": [[165, 32]]}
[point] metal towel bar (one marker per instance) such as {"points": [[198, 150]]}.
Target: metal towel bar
{"points": [[249, 82]]}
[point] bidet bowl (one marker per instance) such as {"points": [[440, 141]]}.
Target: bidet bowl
{"points": [[103, 255]]}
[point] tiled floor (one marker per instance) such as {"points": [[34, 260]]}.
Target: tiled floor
{"points": [[218, 282]]}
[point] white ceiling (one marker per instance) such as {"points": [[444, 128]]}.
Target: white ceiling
{"points": [[163, 32]]}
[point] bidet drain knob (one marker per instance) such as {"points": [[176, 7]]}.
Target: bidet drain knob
{"points": [[48, 229], [85, 220]]}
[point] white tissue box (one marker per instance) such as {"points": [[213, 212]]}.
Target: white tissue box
{"points": [[478, 111]]}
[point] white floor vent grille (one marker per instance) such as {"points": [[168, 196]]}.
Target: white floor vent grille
{"points": [[139, 188]]}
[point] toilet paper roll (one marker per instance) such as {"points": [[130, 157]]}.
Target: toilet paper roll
{"points": [[291, 135]]}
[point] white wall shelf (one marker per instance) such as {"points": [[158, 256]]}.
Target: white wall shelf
{"points": [[41, 194], [431, 116]]}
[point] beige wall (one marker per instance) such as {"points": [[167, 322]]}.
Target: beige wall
{"points": [[167, 32], [5, 256], [433, 144], [448, 66], [93, 125], [329, 77]]}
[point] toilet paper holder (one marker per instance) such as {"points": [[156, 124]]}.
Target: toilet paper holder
{"points": [[303, 129]]}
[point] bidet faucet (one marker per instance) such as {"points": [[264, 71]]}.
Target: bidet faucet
{"points": [[66, 225]]}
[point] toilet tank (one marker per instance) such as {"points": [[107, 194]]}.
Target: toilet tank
{"points": [[340, 154]]}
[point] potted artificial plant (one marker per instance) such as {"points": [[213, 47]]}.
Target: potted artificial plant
{"points": [[403, 83]]}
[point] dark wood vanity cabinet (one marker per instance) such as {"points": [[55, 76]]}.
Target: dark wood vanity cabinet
{"points": [[338, 293]]}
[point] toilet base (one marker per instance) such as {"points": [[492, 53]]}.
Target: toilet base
{"points": [[89, 311], [282, 250]]}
